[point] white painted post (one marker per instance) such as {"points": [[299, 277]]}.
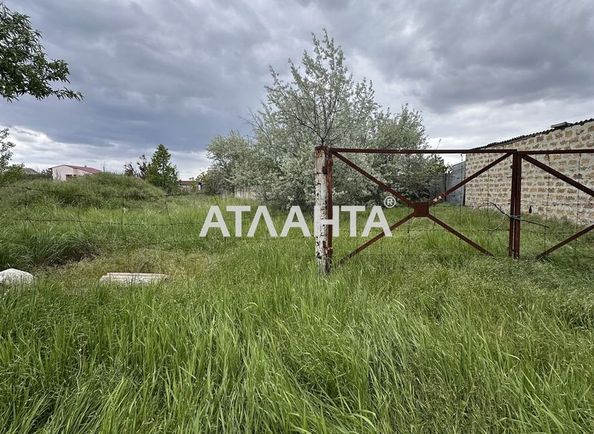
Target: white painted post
{"points": [[323, 205]]}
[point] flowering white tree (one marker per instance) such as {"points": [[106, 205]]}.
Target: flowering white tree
{"points": [[318, 103]]}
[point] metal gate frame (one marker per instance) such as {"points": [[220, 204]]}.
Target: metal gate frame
{"points": [[526, 156], [421, 209]]}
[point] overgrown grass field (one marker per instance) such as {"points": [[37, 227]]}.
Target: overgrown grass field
{"points": [[419, 333]]}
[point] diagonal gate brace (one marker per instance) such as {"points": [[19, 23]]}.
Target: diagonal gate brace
{"points": [[420, 209], [571, 182]]}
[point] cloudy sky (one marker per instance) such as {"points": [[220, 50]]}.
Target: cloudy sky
{"points": [[179, 72]]}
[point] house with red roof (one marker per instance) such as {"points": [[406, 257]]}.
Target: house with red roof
{"points": [[68, 171]]}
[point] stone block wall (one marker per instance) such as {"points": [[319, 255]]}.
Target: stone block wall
{"points": [[542, 194]]}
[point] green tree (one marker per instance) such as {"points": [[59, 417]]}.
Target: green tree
{"points": [[129, 169], [142, 168], [8, 172], [213, 181], [161, 172], [415, 176], [46, 173], [5, 149], [24, 67], [232, 163]]}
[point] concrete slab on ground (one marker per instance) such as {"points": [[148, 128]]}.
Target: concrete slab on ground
{"points": [[133, 278]]}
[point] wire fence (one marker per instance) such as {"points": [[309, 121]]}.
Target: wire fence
{"points": [[132, 200], [129, 221]]}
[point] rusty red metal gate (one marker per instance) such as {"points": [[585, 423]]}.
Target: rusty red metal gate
{"points": [[422, 209], [526, 156]]}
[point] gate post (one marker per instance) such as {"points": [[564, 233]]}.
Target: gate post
{"points": [[515, 206], [323, 208]]}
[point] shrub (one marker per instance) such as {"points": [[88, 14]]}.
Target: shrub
{"points": [[30, 248]]}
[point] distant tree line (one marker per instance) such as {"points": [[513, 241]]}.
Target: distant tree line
{"points": [[322, 104]]}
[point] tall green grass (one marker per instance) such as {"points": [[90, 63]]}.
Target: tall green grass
{"points": [[417, 334], [103, 190]]}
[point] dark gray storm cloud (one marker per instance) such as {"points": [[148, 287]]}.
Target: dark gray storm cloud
{"points": [[180, 72], [470, 51]]}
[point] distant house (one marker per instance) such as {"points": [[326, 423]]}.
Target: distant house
{"points": [[190, 186], [67, 171]]}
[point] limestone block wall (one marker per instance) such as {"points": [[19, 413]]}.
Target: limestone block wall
{"points": [[542, 194]]}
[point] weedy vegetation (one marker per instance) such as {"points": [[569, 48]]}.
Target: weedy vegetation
{"points": [[419, 333]]}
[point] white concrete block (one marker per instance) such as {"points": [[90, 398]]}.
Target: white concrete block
{"points": [[12, 276], [133, 278]]}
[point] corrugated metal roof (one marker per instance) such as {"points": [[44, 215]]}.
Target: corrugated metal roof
{"points": [[527, 136]]}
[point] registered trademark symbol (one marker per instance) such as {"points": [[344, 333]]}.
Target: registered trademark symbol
{"points": [[389, 202]]}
